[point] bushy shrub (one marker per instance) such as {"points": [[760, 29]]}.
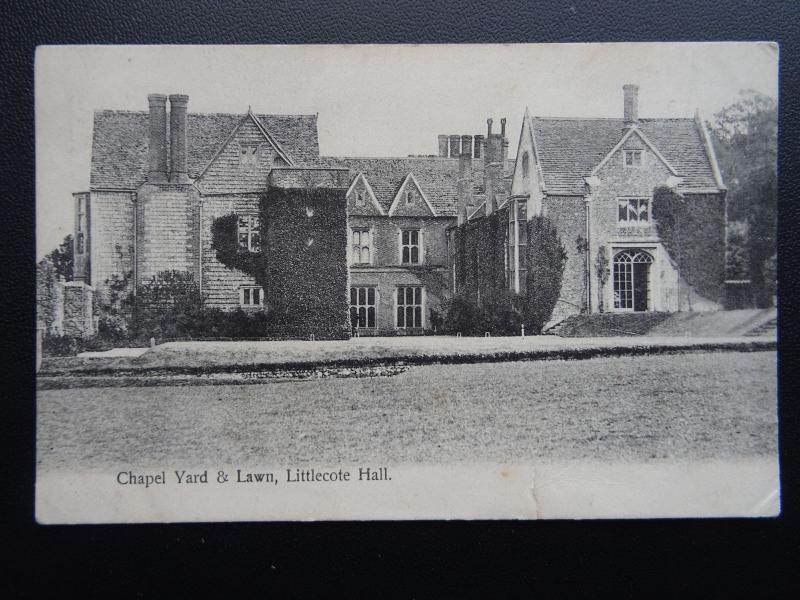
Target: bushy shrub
{"points": [[62, 345], [499, 313]]}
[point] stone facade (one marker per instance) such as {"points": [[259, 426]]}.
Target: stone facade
{"points": [[386, 272], [579, 172], [139, 218]]}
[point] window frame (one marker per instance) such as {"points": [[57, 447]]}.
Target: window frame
{"points": [[410, 246], [515, 247], [366, 305], [420, 306], [249, 289], [370, 246], [633, 152], [638, 222], [249, 231]]}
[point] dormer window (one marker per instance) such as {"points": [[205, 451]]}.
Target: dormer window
{"points": [[633, 158], [248, 156]]}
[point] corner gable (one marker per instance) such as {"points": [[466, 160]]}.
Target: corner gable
{"points": [[360, 184], [650, 146], [420, 205]]}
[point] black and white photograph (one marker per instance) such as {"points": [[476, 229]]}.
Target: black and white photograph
{"points": [[384, 282]]}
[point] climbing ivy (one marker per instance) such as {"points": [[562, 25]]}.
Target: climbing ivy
{"points": [[302, 265], [692, 230], [546, 259]]}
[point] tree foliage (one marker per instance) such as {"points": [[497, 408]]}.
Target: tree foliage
{"points": [[746, 144], [62, 258]]}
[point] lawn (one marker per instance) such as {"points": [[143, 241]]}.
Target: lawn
{"points": [[250, 355], [628, 408]]}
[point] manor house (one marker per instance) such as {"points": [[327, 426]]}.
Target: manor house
{"points": [[160, 178]]}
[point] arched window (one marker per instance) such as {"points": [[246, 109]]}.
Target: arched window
{"points": [[526, 167], [632, 280]]}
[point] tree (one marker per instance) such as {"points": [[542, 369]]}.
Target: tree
{"points": [[746, 144], [63, 258]]}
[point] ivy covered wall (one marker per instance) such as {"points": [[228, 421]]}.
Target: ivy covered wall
{"points": [[481, 287], [302, 265], [692, 230], [480, 256]]}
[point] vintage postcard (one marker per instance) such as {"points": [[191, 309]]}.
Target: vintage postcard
{"points": [[406, 282]]}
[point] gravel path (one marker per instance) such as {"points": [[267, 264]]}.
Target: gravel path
{"points": [[692, 406]]}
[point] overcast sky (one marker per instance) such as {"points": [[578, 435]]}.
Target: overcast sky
{"points": [[372, 100]]}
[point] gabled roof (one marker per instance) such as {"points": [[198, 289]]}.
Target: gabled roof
{"points": [[370, 191], [569, 149], [410, 180], [436, 177], [120, 141]]}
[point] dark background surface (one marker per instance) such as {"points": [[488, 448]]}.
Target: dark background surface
{"points": [[409, 559]]}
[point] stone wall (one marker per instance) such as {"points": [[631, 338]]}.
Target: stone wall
{"points": [[220, 283], [385, 236], [78, 313], [167, 232], [386, 280], [111, 238], [49, 299]]}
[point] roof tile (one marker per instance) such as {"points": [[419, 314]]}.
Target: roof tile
{"points": [[570, 148]]}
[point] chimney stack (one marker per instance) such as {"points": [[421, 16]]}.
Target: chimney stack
{"points": [[443, 146], [466, 146], [157, 142], [177, 126], [478, 145], [455, 146], [503, 127], [489, 122], [631, 104], [466, 198]]}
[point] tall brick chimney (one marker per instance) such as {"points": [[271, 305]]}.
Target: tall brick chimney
{"points": [[177, 134], [443, 146], [631, 103], [466, 198], [466, 146], [493, 161], [455, 146], [157, 141], [478, 145]]}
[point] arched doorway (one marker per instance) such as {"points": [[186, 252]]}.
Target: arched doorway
{"points": [[632, 280]]}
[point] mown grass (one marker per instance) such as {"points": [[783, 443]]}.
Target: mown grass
{"points": [[642, 408]]}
